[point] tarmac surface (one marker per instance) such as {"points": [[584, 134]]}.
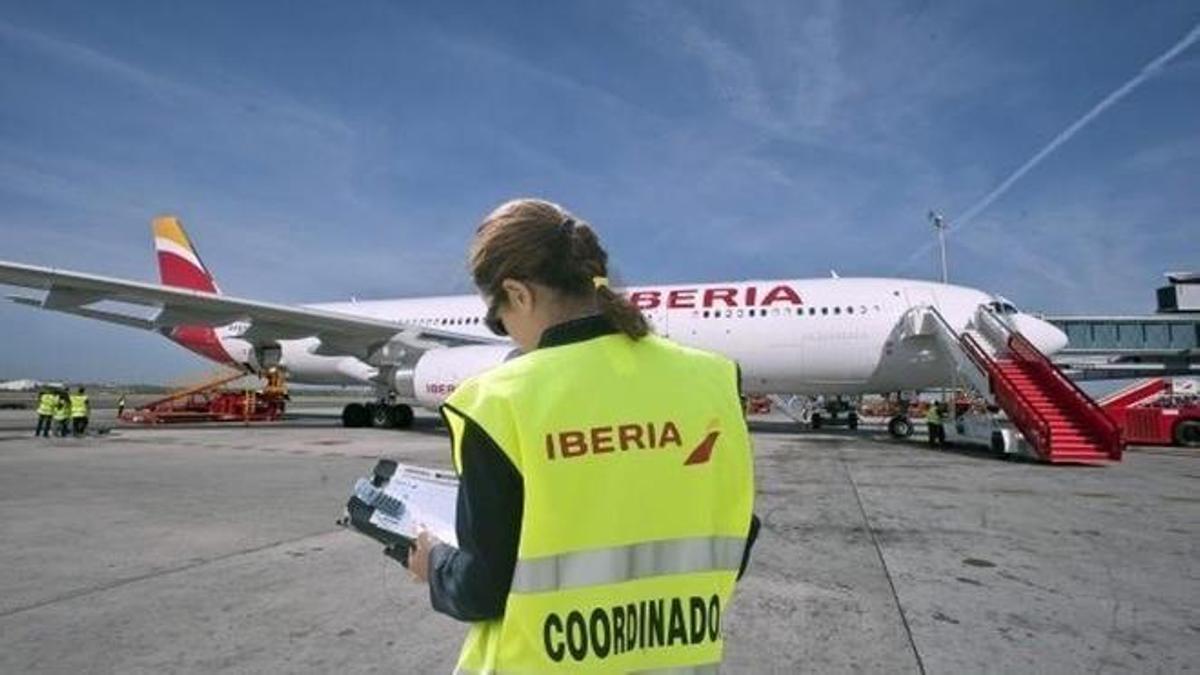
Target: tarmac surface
{"points": [[215, 549]]}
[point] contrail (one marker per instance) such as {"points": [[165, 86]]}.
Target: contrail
{"points": [[1152, 68]]}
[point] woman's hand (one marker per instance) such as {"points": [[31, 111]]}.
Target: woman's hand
{"points": [[418, 555]]}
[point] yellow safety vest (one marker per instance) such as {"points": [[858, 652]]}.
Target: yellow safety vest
{"points": [[46, 404], [79, 405], [933, 415], [62, 410], [638, 485]]}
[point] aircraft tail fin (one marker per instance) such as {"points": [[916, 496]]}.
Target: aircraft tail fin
{"points": [[179, 264]]}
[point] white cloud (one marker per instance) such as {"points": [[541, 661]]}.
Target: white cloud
{"points": [[801, 53]]}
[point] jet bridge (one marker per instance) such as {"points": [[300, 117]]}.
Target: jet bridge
{"points": [[1166, 343], [1058, 420], [1121, 347]]}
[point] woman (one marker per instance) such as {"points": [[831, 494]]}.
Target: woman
{"points": [[606, 476]]}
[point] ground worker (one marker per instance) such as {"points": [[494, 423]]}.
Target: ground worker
{"points": [[62, 413], [121, 407], [606, 476], [937, 431], [81, 410], [45, 412]]}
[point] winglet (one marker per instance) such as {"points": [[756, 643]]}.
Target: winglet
{"points": [[179, 264]]}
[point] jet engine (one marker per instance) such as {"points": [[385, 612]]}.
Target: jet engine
{"points": [[439, 371]]}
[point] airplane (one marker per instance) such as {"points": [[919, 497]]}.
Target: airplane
{"points": [[834, 336]]}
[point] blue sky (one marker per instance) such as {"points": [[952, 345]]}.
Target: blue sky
{"points": [[327, 149]]}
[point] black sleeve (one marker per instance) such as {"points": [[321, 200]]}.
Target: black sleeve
{"points": [[751, 537], [755, 523], [471, 582]]}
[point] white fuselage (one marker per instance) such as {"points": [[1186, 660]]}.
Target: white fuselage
{"points": [[810, 336]]}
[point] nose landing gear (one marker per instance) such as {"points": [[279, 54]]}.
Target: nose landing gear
{"points": [[900, 427]]}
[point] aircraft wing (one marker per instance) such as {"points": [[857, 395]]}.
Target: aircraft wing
{"points": [[339, 333]]}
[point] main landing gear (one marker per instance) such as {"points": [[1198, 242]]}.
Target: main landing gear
{"points": [[837, 412], [378, 414]]}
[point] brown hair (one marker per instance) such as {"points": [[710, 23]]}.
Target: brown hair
{"points": [[535, 240]]}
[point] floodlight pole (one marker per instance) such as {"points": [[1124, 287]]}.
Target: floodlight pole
{"points": [[939, 224]]}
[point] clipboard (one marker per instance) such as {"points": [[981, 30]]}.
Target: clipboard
{"points": [[398, 500]]}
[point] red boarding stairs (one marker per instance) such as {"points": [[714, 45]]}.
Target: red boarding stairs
{"points": [[1058, 419]]}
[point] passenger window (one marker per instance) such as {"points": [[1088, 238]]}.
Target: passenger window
{"points": [[824, 310], [837, 310]]}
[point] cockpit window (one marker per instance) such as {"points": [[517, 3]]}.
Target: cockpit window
{"points": [[1003, 307]]}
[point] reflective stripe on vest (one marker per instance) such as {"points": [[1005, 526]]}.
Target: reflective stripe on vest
{"points": [[626, 563], [704, 669]]}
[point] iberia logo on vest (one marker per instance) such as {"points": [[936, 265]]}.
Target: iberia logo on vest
{"points": [[616, 439]]}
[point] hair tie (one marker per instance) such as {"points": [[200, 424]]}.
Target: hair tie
{"points": [[600, 282]]}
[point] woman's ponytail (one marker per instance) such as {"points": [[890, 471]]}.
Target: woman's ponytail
{"points": [[627, 318]]}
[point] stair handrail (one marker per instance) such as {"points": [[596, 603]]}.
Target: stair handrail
{"points": [[1111, 433], [1027, 351], [1027, 418], [1032, 423]]}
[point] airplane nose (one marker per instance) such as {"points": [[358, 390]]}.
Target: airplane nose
{"points": [[1044, 335]]}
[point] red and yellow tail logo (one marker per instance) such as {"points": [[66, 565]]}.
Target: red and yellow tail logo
{"points": [[703, 452], [179, 264]]}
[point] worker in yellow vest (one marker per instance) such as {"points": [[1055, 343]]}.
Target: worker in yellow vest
{"points": [[81, 410], [62, 413], [606, 474], [937, 430], [45, 412]]}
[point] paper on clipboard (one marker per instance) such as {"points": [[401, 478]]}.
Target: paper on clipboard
{"points": [[412, 499]]}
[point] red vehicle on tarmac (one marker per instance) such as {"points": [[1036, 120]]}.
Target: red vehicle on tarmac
{"points": [[1158, 411]]}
